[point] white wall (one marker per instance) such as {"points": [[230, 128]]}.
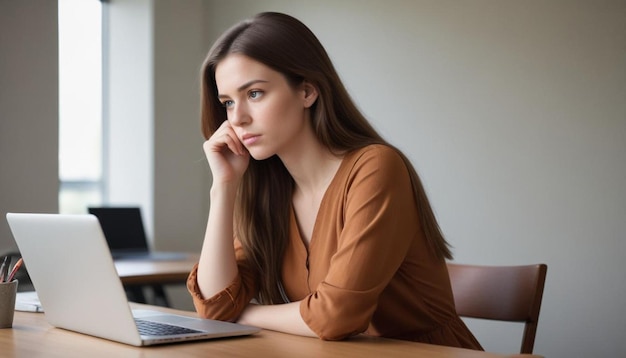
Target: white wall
{"points": [[128, 100], [29, 110], [180, 169], [514, 113]]}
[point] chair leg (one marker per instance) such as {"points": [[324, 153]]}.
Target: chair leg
{"points": [[135, 294], [160, 298], [156, 295]]}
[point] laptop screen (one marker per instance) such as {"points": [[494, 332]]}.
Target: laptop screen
{"points": [[122, 228]]}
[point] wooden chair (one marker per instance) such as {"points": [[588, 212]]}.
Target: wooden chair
{"points": [[503, 293]]}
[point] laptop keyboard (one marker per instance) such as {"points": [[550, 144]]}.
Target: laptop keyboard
{"points": [[148, 328]]}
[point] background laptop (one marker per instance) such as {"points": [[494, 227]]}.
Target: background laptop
{"points": [[125, 234], [75, 278]]}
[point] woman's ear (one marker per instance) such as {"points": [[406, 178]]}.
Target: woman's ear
{"points": [[310, 94]]}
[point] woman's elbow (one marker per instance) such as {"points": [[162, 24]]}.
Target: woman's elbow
{"points": [[219, 313], [336, 330]]}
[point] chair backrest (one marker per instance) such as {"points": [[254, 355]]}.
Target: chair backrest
{"points": [[504, 293]]}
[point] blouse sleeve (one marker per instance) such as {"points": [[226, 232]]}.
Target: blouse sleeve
{"points": [[228, 304], [380, 218]]}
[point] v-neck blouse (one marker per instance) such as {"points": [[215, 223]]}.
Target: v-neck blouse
{"points": [[368, 268]]}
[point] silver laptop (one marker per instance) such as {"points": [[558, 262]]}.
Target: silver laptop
{"points": [[72, 270]]}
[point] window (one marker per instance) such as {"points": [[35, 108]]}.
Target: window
{"points": [[80, 105]]}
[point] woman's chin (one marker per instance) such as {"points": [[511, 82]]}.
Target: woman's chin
{"points": [[259, 154]]}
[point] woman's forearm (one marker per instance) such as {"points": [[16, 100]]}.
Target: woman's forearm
{"points": [[282, 317], [217, 266]]}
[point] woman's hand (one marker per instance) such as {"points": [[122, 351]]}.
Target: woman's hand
{"points": [[227, 156]]}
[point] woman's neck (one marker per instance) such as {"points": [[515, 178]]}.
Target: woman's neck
{"points": [[312, 167]]}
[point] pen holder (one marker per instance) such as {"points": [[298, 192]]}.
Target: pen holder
{"points": [[8, 291]]}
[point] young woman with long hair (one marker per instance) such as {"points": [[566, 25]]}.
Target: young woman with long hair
{"points": [[317, 225]]}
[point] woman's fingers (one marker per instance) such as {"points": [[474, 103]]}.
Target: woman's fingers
{"points": [[227, 156], [233, 143], [225, 136]]}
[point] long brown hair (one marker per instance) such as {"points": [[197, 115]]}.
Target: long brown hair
{"points": [[262, 212]]}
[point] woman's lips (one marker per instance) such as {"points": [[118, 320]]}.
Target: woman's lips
{"points": [[250, 139]]}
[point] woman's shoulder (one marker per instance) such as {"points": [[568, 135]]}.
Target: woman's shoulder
{"points": [[376, 154], [372, 169], [378, 162]]}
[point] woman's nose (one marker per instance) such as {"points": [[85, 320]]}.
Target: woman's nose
{"points": [[239, 115]]}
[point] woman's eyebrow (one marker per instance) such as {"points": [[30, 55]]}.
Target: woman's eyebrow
{"points": [[243, 87]]}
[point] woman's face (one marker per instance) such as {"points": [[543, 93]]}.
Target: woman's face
{"points": [[268, 115]]}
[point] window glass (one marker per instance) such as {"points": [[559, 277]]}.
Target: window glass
{"points": [[80, 104]]}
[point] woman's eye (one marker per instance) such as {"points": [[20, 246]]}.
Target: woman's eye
{"points": [[254, 94], [228, 104]]}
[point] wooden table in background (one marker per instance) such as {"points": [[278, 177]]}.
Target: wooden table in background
{"points": [[147, 272]]}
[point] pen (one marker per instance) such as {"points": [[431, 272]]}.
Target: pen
{"points": [[16, 267], [4, 268]]}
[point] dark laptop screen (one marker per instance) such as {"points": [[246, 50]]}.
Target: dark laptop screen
{"points": [[122, 228]]}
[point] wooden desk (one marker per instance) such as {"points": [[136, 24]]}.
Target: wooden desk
{"points": [[32, 336], [143, 272]]}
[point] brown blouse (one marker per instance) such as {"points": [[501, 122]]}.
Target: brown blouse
{"points": [[368, 268]]}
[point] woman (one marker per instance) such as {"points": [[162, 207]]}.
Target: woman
{"points": [[333, 233]]}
